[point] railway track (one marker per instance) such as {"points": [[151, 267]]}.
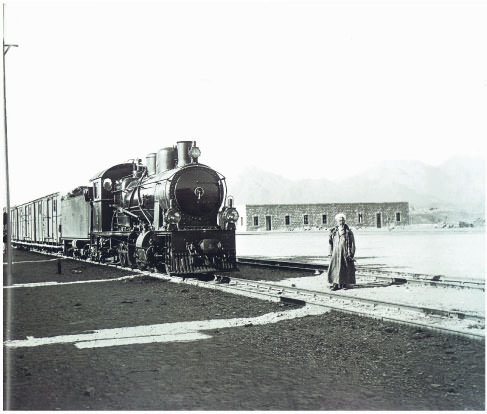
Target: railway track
{"points": [[464, 324], [424, 317], [375, 274]]}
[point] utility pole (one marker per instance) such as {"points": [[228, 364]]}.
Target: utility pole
{"points": [[8, 316], [6, 48]]}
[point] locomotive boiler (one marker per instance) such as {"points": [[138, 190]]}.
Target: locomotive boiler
{"points": [[172, 214]]}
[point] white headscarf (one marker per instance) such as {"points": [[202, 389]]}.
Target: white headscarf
{"points": [[340, 215]]}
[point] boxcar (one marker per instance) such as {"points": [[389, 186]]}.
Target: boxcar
{"points": [[37, 223]]}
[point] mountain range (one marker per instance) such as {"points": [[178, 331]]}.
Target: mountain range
{"points": [[457, 184]]}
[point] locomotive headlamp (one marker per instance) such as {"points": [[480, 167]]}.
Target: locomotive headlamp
{"points": [[194, 153], [231, 215], [173, 216]]}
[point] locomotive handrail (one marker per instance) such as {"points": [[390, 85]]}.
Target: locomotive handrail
{"points": [[138, 195], [224, 180], [137, 188], [123, 210]]}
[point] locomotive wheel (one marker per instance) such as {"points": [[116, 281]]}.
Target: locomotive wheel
{"points": [[123, 259], [141, 264], [130, 255], [86, 252], [126, 254], [161, 267], [122, 254], [131, 262], [206, 277], [222, 279], [130, 247]]}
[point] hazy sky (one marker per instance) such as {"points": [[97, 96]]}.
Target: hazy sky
{"points": [[301, 89]]}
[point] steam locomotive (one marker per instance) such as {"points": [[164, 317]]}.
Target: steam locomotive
{"points": [[173, 214]]}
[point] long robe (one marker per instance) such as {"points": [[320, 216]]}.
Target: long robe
{"points": [[342, 248]]}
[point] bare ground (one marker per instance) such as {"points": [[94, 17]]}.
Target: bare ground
{"points": [[331, 362]]}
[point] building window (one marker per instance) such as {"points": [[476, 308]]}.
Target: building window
{"points": [[360, 218], [398, 216], [288, 220], [95, 191], [305, 219], [324, 219], [241, 221], [256, 221]]}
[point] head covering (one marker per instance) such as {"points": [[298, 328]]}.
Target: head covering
{"points": [[340, 215]]}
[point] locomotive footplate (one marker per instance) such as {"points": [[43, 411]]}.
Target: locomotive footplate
{"points": [[199, 251]]}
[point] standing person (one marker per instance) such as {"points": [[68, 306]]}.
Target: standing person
{"points": [[341, 271]]}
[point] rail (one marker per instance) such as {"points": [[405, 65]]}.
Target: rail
{"points": [[470, 325], [371, 273]]}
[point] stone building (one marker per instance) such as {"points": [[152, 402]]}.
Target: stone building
{"points": [[265, 217]]}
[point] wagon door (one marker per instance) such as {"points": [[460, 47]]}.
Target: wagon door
{"points": [[56, 218], [30, 222], [24, 222], [34, 221], [45, 220], [39, 221], [50, 219]]}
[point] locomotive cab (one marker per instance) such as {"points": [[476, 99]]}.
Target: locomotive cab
{"points": [[103, 195]]}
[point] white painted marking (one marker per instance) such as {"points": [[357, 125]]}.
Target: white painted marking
{"points": [[182, 337], [33, 261], [28, 285], [167, 332]]}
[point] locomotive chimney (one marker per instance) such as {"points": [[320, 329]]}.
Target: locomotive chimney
{"points": [[165, 159], [151, 163], [183, 153]]}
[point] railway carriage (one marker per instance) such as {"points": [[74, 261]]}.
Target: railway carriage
{"points": [[172, 214], [37, 222]]}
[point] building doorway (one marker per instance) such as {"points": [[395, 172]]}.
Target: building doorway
{"points": [[268, 223], [379, 220]]}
